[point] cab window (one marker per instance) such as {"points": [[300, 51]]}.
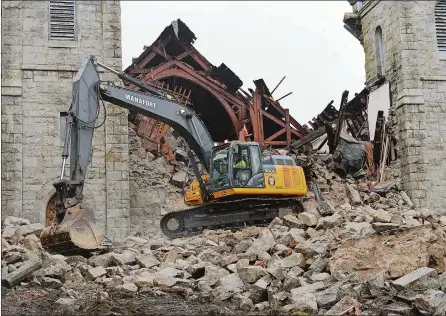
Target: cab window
{"points": [[219, 169], [247, 162], [289, 162]]}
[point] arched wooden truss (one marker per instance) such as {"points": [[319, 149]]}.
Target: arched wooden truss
{"points": [[173, 55]]}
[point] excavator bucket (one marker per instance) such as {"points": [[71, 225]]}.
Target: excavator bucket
{"points": [[76, 233]]}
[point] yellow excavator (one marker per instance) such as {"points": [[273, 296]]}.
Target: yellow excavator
{"points": [[239, 186]]}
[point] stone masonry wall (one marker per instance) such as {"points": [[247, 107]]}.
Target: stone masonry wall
{"points": [[37, 75], [149, 172], [417, 75]]}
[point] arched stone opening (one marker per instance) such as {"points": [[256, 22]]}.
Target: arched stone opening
{"points": [[50, 210], [46, 199]]}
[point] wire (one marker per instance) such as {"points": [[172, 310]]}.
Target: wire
{"points": [[98, 91], [103, 104], [97, 111]]}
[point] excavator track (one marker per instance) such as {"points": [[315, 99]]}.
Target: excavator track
{"points": [[227, 214]]}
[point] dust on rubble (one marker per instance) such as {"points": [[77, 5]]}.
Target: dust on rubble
{"points": [[363, 250], [33, 301]]}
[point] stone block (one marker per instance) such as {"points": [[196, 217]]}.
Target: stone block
{"points": [[415, 277]]}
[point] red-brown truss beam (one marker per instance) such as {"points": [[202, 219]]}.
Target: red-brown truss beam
{"points": [[256, 117], [282, 111], [275, 135], [203, 62], [287, 126], [183, 55], [273, 118], [155, 49], [162, 53], [144, 62]]}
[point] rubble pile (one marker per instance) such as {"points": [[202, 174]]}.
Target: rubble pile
{"points": [[363, 251]]}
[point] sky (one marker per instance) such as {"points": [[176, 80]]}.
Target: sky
{"points": [[304, 41]]}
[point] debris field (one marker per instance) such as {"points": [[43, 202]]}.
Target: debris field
{"points": [[355, 252]]}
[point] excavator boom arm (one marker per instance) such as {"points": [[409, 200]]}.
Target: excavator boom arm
{"points": [[82, 120], [174, 114]]}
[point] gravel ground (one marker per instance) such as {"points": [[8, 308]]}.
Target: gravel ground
{"points": [[37, 301]]}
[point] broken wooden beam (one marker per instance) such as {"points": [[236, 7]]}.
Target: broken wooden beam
{"points": [[308, 138]]}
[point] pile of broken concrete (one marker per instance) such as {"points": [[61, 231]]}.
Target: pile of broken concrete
{"points": [[366, 252]]}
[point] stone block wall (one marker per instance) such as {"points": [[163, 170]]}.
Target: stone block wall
{"points": [[37, 75], [417, 76], [149, 173]]}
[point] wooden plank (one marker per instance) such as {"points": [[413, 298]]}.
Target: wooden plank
{"points": [[183, 54], [287, 126], [278, 133], [309, 138], [344, 99], [273, 118], [273, 142], [162, 53]]}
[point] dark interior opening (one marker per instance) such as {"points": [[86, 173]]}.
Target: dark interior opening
{"points": [[208, 108]]}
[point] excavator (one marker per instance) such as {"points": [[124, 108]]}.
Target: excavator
{"points": [[237, 186]]}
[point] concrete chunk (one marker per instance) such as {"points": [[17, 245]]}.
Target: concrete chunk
{"points": [[276, 271], [353, 194], [231, 283], [126, 257], [304, 302], [129, 287], [246, 304], [406, 199], [308, 288], [96, 273], [307, 218], [264, 243], [410, 279], [178, 179], [251, 274], [144, 280], [292, 221], [432, 301], [147, 261], [51, 283], [132, 241], [360, 229], [382, 216], [16, 221], [25, 230], [291, 282], [329, 221], [22, 273], [103, 260], [295, 259], [327, 297], [9, 231]]}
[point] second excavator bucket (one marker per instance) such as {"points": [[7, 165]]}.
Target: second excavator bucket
{"points": [[77, 233]]}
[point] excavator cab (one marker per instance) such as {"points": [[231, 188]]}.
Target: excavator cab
{"points": [[236, 164]]}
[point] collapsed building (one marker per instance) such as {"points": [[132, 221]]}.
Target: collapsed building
{"points": [[126, 162], [360, 246], [173, 64]]}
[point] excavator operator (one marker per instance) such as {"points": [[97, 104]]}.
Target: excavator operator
{"points": [[240, 161]]}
